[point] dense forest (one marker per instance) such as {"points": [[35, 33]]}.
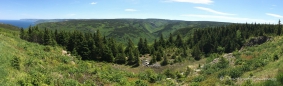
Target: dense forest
{"points": [[95, 46]]}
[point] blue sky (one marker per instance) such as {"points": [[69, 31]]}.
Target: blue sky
{"points": [[238, 11]]}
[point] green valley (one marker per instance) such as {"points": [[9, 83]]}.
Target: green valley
{"points": [[124, 29]]}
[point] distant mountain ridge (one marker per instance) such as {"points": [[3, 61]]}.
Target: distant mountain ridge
{"points": [[122, 29]]}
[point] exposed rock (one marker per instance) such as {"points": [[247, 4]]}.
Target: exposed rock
{"points": [[257, 41], [229, 57]]}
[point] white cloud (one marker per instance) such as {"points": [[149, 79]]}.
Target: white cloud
{"points": [[192, 1], [274, 15], [70, 15], [213, 11], [93, 3], [131, 10], [229, 19]]}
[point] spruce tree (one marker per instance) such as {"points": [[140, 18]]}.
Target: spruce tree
{"points": [[130, 47], [47, 37], [153, 59], [165, 61], [145, 47], [171, 40], [179, 41], [196, 53], [131, 57], [22, 34], [162, 41], [141, 46]]}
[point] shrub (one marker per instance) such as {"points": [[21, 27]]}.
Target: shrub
{"points": [[235, 72], [198, 78], [71, 82], [47, 49], [280, 76], [169, 74], [140, 83], [16, 63]]}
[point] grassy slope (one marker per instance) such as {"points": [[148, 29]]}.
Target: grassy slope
{"points": [[40, 66], [50, 67], [122, 29], [264, 52], [269, 49]]}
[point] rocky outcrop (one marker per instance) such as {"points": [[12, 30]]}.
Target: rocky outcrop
{"points": [[257, 41]]}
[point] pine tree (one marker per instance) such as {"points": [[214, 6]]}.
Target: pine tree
{"points": [[84, 50], [131, 57], [137, 61], [162, 41], [107, 55], [196, 53], [22, 34], [145, 47], [141, 46], [179, 41], [120, 58], [165, 61], [153, 59], [158, 57], [170, 40], [130, 47], [47, 37]]}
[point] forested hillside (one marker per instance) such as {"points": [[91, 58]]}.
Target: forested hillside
{"points": [[124, 29], [218, 55]]}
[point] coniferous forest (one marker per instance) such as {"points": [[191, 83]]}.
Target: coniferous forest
{"points": [[203, 41]]}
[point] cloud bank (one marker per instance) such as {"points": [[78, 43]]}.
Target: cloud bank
{"points": [[213, 11], [274, 15]]}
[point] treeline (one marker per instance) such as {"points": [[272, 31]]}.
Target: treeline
{"points": [[94, 46], [228, 38]]}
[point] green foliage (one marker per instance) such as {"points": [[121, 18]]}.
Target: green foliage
{"points": [[140, 83], [169, 74], [165, 61], [279, 76], [223, 63], [196, 53], [47, 49], [199, 78], [16, 63]]}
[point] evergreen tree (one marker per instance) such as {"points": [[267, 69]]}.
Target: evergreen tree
{"points": [[153, 59], [120, 58], [162, 41], [131, 57], [165, 61], [141, 46], [179, 41], [47, 37], [170, 40], [196, 53], [145, 47], [107, 55], [158, 57], [84, 50], [137, 61], [130, 47], [22, 34]]}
